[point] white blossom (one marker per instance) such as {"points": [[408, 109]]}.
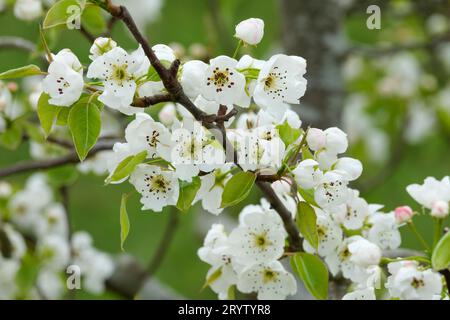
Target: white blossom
{"points": [[270, 280], [101, 46], [432, 194], [384, 230], [407, 281], [332, 190], [360, 294], [28, 9], [158, 187]]}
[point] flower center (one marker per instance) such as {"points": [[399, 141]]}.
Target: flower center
{"points": [[120, 73], [153, 140], [345, 254], [269, 275], [158, 184], [261, 241], [417, 283], [220, 79]]}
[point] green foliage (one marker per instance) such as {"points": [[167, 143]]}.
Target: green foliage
{"points": [[62, 176], [288, 134], [60, 13], [313, 272], [308, 195], [12, 137], [124, 221], [213, 277], [126, 167], [93, 20], [47, 113], [306, 222], [237, 188], [28, 273], [188, 191], [440, 259], [85, 124], [26, 71]]}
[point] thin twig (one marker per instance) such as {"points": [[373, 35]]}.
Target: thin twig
{"points": [[69, 158]]}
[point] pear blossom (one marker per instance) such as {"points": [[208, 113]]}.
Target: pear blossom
{"points": [[120, 152], [95, 266], [119, 71], [214, 252], [329, 234], [144, 133], [360, 294], [270, 280], [332, 190], [259, 238], [364, 253], [222, 82], [353, 212], [307, 174], [8, 271], [407, 281], [50, 284], [5, 189], [158, 188], [16, 240], [250, 31], [432, 194], [349, 167], [54, 252], [211, 189], [384, 230], [194, 150], [285, 193], [336, 140], [280, 82], [192, 77], [64, 82], [101, 46]]}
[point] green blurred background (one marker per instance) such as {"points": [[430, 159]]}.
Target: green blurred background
{"points": [[95, 207]]}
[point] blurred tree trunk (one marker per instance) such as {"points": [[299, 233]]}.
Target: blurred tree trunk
{"points": [[313, 29]]}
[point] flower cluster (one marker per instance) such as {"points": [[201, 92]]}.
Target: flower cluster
{"points": [[36, 228], [247, 258]]}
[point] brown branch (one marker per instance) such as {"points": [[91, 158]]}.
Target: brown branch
{"points": [[69, 158], [446, 274], [175, 90], [145, 102]]}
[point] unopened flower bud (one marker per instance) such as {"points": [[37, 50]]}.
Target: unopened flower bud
{"points": [[439, 209], [250, 31], [316, 139], [403, 214]]}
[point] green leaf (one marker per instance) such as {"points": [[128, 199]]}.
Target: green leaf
{"points": [[63, 116], [313, 272], [27, 275], [124, 221], [288, 134], [46, 113], [93, 20], [126, 167], [213, 277], [306, 154], [61, 13], [237, 188], [308, 196], [440, 260], [85, 125], [26, 71], [188, 191], [12, 137], [306, 222]]}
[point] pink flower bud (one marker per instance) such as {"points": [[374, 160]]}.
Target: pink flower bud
{"points": [[12, 86], [403, 214], [439, 209]]}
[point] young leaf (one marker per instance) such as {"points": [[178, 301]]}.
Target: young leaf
{"points": [[308, 195], [306, 222], [288, 134], [85, 124], [237, 188], [34, 132], [60, 13], [46, 113], [313, 272], [126, 167], [124, 221], [213, 277], [63, 116], [306, 154], [440, 260], [93, 20], [188, 191], [26, 71]]}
